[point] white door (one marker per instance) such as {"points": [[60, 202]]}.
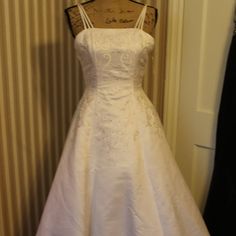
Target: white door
{"points": [[206, 34]]}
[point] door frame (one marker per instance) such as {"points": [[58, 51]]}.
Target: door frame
{"points": [[173, 69]]}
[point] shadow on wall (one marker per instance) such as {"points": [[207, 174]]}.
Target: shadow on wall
{"points": [[56, 95]]}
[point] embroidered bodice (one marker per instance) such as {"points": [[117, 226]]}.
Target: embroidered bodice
{"points": [[109, 55]]}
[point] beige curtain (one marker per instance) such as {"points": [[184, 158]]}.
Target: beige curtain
{"points": [[40, 86]]}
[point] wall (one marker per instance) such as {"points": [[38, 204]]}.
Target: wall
{"points": [[40, 85]]}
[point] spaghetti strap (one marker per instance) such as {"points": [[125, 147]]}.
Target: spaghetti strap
{"points": [[85, 18], [140, 21]]}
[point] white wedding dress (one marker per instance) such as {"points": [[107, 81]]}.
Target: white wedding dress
{"points": [[117, 176]]}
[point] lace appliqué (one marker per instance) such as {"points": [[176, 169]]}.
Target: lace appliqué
{"points": [[152, 119], [113, 131]]}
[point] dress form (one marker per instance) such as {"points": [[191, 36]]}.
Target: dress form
{"points": [[111, 14]]}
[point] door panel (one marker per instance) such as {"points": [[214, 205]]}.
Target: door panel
{"points": [[207, 30]]}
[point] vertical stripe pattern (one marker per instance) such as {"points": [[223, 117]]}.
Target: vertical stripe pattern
{"points": [[40, 86]]}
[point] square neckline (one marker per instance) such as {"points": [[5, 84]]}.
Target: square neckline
{"points": [[128, 28], [86, 19]]}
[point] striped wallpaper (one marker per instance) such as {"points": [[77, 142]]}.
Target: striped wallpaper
{"points": [[40, 85]]}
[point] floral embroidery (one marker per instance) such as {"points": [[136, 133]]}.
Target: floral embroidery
{"points": [[114, 104], [152, 120]]}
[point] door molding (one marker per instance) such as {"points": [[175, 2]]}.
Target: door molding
{"points": [[173, 69]]}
